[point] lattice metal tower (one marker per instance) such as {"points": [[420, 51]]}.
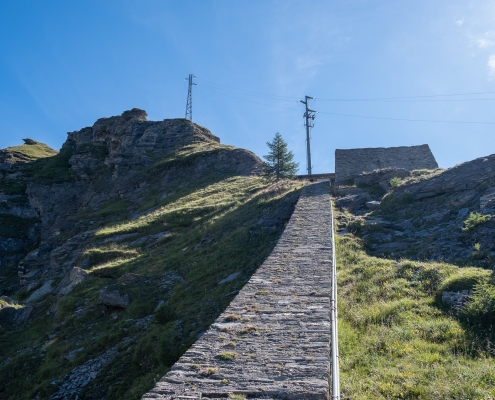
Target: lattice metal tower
{"points": [[309, 115], [189, 97]]}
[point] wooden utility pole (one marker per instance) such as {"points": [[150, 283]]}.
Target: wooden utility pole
{"points": [[308, 115]]}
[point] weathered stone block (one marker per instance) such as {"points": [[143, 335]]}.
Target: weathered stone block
{"points": [[350, 163]]}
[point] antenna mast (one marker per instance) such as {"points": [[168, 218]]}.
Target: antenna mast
{"points": [[189, 97], [309, 115]]}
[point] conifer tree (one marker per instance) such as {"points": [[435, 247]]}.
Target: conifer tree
{"points": [[279, 161]]}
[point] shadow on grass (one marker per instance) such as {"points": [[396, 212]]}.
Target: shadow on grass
{"points": [[180, 272]]}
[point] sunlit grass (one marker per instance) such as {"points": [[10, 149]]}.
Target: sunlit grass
{"points": [[223, 196], [211, 228], [397, 341], [33, 151]]}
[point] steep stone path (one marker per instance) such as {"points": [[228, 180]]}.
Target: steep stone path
{"points": [[277, 327]]}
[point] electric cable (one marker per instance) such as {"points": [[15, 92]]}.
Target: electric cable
{"points": [[371, 99], [358, 116]]}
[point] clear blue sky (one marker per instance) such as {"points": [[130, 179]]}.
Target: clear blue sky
{"points": [[64, 64]]}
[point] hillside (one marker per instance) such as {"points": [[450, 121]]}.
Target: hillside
{"points": [[121, 249], [416, 283], [118, 252]]}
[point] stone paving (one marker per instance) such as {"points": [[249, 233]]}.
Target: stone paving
{"points": [[273, 341]]}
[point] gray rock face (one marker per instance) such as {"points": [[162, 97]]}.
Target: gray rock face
{"points": [[353, 202], [424, 218], [373, 205], [229, 278], [353, 162], [113, 298], [281, 319], [456, 299], [74, 382], [10, 315], [460, 179], [487, 200], [75, 277], [130, 139], [42, 291], [103, 164]]}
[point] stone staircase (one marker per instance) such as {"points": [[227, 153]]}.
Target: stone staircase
{"points": [[273, 341]]}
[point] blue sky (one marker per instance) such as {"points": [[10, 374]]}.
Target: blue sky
{"points": [[64, 64]]}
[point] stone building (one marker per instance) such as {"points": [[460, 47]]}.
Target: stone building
{"points": [[352, 162]]}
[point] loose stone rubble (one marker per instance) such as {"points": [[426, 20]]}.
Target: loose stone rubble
{"points": [[273, 339], [74, 382]]}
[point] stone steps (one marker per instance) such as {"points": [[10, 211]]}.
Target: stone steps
{"points": [[280, 336]]}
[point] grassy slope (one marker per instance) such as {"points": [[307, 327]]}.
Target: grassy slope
{"points": [[33, 151], [397, 341], [215, 230]]}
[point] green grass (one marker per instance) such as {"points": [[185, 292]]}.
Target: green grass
{"points": [[227, 356], [33, 151], [465, 279], [103, 254], [215, 232], [419, 175], [396, 181], [392, 202], [396, 339], [474, 220]]}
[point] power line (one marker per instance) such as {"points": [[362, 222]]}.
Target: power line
{"points": [[290, 98], [264, 96], [403, 101], [408, 119], [250, 101], [412, 97], [363, 116], [247, 91]]}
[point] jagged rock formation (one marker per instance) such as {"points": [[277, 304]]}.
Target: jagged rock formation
{"points": [[100, 164], [424, 215], [350, 163], [122, 248], [19, 221]]}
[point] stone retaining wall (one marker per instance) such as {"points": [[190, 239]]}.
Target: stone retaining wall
{"points": [[352, 162], [277, 329]]}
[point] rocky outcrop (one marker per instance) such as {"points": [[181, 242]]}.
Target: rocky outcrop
{"points": [[456, 299], [467, 178], [107, 162], [113, 298], [423, 217], [11, 313], [353, 202]]}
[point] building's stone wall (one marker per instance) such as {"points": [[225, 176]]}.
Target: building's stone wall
{"points": [[352, 162], [278, 326]]}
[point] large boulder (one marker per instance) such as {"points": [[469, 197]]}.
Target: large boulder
{"points": [[113, 298], [353, 202], [74, 277]]}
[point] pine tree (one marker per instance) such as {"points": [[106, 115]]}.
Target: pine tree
{"points": [[279, 161]]}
